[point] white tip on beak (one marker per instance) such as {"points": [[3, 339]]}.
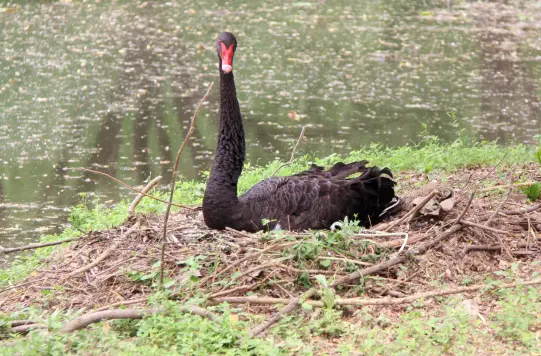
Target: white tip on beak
{"points": [[226, 68]]}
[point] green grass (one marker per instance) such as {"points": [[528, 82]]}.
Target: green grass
{"points": [[430, 156], [444, 326]]}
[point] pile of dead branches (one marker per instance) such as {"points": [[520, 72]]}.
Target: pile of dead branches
{"points": [[442, 231]]}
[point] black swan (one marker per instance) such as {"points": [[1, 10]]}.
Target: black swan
{"points": [[313, 199]]}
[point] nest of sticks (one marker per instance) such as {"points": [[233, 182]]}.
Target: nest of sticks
{"points": [[446, 232]]}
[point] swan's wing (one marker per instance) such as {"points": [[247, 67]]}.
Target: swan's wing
{"points": [[339, 171], [317, 200], [297, 202]]}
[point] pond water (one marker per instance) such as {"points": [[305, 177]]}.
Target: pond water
{"points": [[112, 85]]}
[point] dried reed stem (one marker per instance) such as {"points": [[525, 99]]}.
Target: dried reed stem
{"points": [[174, 177], [292, 153]]}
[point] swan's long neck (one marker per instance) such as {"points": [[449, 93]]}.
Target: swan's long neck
{"points": [[231, 151]]}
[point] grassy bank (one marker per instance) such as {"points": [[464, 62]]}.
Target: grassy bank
{"points": [[448, 324]]}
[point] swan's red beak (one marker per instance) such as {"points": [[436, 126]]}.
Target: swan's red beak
{"points": [[227, 58]]}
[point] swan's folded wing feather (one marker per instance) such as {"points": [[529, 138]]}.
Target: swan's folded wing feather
{"points": [[297, 202]]}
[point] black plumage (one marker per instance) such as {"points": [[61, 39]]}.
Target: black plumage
{"points": [[313, 199]]}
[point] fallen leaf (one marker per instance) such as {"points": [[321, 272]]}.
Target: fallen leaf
{"points": [[432, 208], [447, 204], [293, 115]]}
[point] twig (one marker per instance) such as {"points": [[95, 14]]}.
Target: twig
{"points": [[105, 253], [260, 267], [292, 153], [25, 329], [399, 242], [522, 211], [132, 188], [124, 302], [500, 207], [404, 243], [413, 211], [496, 187], [15, 323], [375, 301], [36, 246], [377, 233], [234, 290], [94, 317], [250, 237], [497, 248], [471, 223], [531, 209], [358, 263], [174, 177], [293, 303], [398, 259], [297, 270], [246, 258], [472, 195], [21, 284], [389, 292], [146, 189]]}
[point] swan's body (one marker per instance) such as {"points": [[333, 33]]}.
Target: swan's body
{"points": [[313, 199]]}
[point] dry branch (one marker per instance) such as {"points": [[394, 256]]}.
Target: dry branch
{"points": [[233, 290], [496, 248], [488, 189], [246, 258], [292, 153], [174, 178], [124, 302], [25, 329], [95, 317], [374, 301], [500, 207], [413, 211], [132, 188], [531, 209], [293, 304], [15, 323], [249, 237], [146, 189], [468, 204], [36, 246], [105, 253], [399, 242], [347, 260], [471, 223]]}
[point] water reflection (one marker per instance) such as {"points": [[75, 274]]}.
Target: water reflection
{"points": [[510, 106], [112, 86]]}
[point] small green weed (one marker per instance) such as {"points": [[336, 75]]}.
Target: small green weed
{"points": [[533, 191], [518, 316]]}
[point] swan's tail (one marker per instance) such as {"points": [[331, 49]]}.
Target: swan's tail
{"points": [[371, 197], [376, 199]]}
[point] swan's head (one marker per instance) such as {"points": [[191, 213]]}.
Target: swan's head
{"points": [[226, 44]]}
